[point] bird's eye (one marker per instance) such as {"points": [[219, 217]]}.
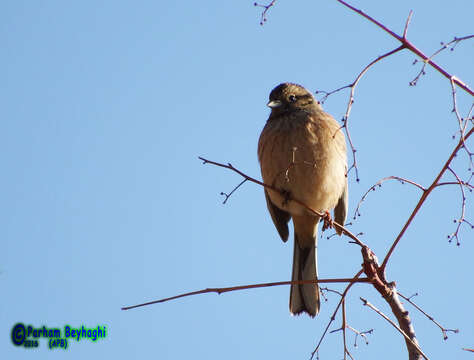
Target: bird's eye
{"points": [[292, 98]]}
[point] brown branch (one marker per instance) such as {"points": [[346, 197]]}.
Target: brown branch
{"points": [[444, 46], [324, 216], [245, 287], [345, 325], [388, 291], [408, 45], [424, 196], [343, 329], [379, 184], [405, 31], [333, 317], [464, 183], [443, 329], [375, 273], [416, 351], [362, 73], [351, 101], [345, 119]]}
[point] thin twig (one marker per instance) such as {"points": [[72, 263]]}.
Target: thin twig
{"points": [[461, 219], [263, 15], [405, 31], [444, 46], [463, 183], [379, 184], [245, 287], [345, 119], [415, 345], [299, 202], [424, 196], [344, 326], [407, 44], [227, 196], [462, 122], [362, 334], [333, 317], [443, 329]]}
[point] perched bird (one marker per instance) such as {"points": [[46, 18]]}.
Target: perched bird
{"points": [[302, 153]]}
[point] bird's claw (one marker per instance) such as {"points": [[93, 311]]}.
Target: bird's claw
{"points": [[328, 222]]}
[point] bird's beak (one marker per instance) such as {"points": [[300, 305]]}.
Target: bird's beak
{"points": [[274, 104]]}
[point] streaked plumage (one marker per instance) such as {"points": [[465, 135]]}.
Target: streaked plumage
{"points": [[302, 151]]}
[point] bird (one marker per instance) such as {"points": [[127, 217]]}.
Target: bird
{"points": [[302, 155]]}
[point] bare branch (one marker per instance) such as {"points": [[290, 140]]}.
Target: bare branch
{"points": [[379, 184], [461, 122], [324, 215], [376, 275], [345, 325], [408, 45], [443, 329], [227, 196], [425, 195], [405, 31], [362, 334], [345, 119], [461, 219], [245, 287], [444, 46], [414, 343], [333, 317]]}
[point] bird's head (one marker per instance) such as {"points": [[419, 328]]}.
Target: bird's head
{"points": [[287, 97]]}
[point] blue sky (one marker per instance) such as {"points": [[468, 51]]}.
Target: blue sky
{"points": [[105, 107]]}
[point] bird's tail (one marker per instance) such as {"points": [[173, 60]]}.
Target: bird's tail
{"points": [[304, 297]]}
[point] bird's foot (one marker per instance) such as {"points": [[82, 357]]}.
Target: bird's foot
{"points": [[328, 222]]}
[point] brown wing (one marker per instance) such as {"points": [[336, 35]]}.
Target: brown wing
{"points": [[280, 218], [340, 211]]}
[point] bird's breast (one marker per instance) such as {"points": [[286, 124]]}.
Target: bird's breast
{"points": [[303, 158]]}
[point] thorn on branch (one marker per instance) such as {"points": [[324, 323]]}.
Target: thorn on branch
{"points": [[405, 31]]}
